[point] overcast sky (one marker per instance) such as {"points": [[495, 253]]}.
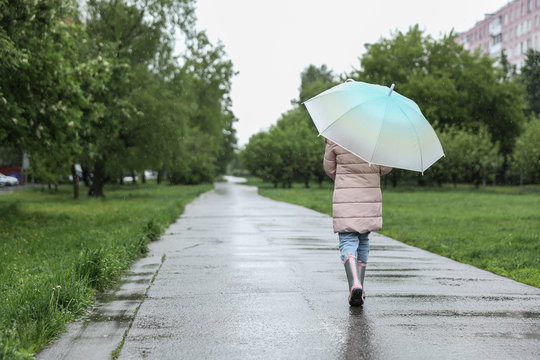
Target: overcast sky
{"points": [[270, 42]]}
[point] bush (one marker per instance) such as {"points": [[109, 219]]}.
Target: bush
{"points": [[526, 157], [470, 157]]}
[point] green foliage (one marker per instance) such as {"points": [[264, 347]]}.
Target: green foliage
{"points": [[494, 228], [163, 115], [107, 92], [470, 157], [526, 156], [451, 85], [291, 150], [40, 95], [476, 107], [530, 76], [56, 253], [315, 80]]}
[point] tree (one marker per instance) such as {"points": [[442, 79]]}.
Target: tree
{"points": [[262, 158], [509, 71], [40, 94], [469, 156], [530, 76], [162, 112], [452, 86], [206, 77], [291, 150], [133, 37], [526, 155], [314, 80]]}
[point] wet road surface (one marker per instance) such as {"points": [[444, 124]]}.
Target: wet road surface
{"points": [[239, 276]]}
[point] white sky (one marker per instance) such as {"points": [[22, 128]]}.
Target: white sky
{"points": [[270, 42]]}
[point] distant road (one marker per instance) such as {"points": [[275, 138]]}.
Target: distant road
{"points": [[8, 189]]}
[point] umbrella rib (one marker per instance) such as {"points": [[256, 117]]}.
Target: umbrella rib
{"points": [[417, 139], [379, 134]]}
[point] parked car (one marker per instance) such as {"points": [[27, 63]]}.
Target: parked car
{"points": [[8, 180]]}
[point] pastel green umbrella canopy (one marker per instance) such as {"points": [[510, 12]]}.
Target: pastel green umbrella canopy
{"points": [[377, 124]]}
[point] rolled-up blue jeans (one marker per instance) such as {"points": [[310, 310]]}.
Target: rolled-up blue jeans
{"points": [[354, 243]]}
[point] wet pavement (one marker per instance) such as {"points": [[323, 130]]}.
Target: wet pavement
{"points": [[239, 276]]}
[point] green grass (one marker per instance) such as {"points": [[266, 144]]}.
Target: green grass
{"points": [[493, 228], [56, 253]]}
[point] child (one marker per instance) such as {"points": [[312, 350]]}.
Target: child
{"points": [[356, 210]]}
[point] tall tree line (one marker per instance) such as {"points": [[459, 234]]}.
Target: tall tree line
{"points": [[485, 114], [103, 88]]}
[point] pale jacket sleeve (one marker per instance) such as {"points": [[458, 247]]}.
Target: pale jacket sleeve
{"points": [[330, 161]]}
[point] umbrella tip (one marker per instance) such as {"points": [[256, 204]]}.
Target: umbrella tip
{"points": [[391, 89]]}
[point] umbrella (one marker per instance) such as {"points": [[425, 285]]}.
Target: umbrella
{"points": [[377, 124]]}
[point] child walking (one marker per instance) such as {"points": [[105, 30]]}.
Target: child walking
{"points": [[356, 210]]}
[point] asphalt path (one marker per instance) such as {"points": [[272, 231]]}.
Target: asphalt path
{"points": [[240, 276]]}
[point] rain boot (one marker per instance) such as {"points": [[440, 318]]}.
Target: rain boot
{"points": [[353, 276], [362, 271]]}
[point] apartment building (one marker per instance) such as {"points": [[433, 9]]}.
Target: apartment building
{"points": [[514, 28]]}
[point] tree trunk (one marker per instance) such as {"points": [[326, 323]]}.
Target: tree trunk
{"points": [[159, 177], [133, 177], [143, 177], [86, 175], [96, 188], [75, 181]]}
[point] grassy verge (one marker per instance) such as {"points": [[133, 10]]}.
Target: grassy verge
{"points": [[56, 253], [493, 228]]}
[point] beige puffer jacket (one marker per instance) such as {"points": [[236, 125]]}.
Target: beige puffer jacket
{"points": [[357, 201]]}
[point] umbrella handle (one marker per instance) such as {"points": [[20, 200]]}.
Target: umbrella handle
{"points": [[391, 89]]}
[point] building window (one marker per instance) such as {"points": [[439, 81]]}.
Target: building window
{"points": [[505, 19], [496, 39], [529, 6]]}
